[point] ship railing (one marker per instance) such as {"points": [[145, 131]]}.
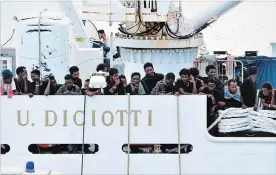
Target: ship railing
{"points": [[226, 69]]}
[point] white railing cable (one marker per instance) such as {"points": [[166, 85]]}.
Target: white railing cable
{"points": [[178, 135], [128, 135]]}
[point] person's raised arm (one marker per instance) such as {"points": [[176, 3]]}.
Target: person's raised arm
{"points": [[48, 88], [194, 84]]}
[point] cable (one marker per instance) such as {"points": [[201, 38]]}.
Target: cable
{"points": [[94, 27], [132, 26], [86, 61], [157, 27], [150, 30], [37, 17], [45, 58], [178, 135], [128, 134], [83, 131], [9, 38]]}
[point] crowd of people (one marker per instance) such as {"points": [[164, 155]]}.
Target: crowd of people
{"points": [[220, 95]]}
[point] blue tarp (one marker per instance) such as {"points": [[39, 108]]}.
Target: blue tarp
{"points": [[266, 68]]}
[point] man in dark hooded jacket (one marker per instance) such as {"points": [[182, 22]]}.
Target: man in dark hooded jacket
{"points": [[151, 78]]}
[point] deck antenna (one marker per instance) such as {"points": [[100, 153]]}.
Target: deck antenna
{"points": [[39, 41]]}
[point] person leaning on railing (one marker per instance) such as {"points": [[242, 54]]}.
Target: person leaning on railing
{"points": [[267, 96], [69, 88], [214, 97], [198, 80], [21, 81], [249, 89], [231, 95], [186, 84], [151, 78], [211, 74], [114, 86], [7, 85], [137, 86], [52, 86], [166, 86]]}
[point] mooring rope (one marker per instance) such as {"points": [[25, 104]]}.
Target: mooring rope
{"points": [[0, 110], [178, 135], [83, 131], [128, 136], [237, 119]]}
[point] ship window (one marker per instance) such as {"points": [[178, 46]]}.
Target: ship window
{"points": [[251, 53], [220, 53], [157, 148], [5, 148], [63, 148]]}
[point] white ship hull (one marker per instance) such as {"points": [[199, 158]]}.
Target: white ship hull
{"points": [[156, 122]]}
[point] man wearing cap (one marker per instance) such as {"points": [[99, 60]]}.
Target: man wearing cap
{"points": [[249, 89]]}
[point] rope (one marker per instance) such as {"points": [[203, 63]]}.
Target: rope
{"points": [[83, 131], [0, 112], [237, 119], [178, 134], [128, 136], [0, 94], [9, 39]]}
